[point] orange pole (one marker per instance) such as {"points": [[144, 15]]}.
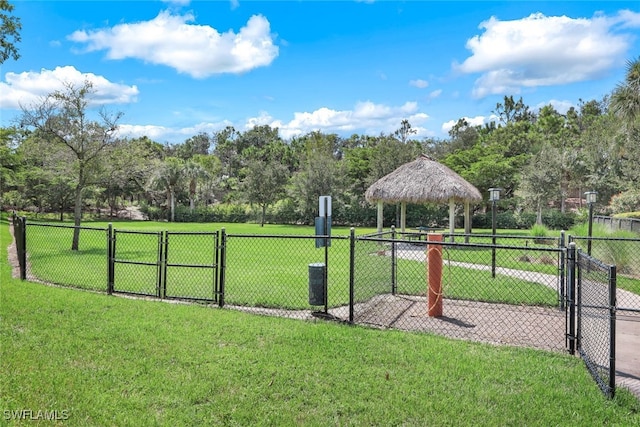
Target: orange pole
{"points": [[434, 269]]}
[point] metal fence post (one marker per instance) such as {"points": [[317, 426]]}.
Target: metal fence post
{"points": [[571, 290], [352, 269], [22, 247], [561, 271], [223, 261], [110, 259], [612, 329], [164, 264]]}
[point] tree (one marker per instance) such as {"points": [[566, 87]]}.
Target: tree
{"points": [[625, 101], [61, 120], [167, 176], [265, 183], [513, 111], [10, 27], [194, 172], [405, 131]]}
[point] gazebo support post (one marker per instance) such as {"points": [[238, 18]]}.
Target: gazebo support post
{"points": [[467, 221], [380, 216], [452, 217], [403, 216]]}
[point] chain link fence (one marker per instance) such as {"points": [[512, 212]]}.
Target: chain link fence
{"points": [[511, 292], [596, 305], [519, 300], [624, 253], [270, 274]]}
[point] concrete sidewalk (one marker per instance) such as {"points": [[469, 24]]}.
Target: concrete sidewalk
{"points": [[628, 353]]}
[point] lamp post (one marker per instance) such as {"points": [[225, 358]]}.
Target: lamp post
{"points": [[591, 200], [494, 196]]}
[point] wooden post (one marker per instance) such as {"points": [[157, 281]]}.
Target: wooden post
{"points": [[380, 217], [434, 270]]}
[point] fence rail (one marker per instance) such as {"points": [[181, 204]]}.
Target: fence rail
{"points": [[627, 224]]}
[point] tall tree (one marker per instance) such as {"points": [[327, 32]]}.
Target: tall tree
{"points": [[625, 101], [167, 176], [62, 120], [10, 27], [193, 172], [265, 183]]}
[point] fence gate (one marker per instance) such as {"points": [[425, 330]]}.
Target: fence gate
{"points": [[595, 302], [189, 273], [164, 264], [136, 262]]}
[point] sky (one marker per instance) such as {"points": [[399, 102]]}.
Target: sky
{"points": [[178, 69]]}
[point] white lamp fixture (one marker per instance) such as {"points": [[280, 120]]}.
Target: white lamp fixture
{"points": [[591, 197], [494, 194]]}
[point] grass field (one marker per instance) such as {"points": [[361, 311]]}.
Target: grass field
{"points": [[102, 360]]}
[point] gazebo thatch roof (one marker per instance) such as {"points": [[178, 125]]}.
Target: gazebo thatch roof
{"points": [[421, 181]]}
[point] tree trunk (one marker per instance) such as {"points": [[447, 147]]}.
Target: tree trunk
{"points": [[264, 210], [173, 205], [192, 204], [77, 218]]}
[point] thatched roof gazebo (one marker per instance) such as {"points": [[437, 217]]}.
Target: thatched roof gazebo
{"points": [[424, 181]]}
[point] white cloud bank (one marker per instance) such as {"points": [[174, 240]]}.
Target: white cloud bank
{"points": [[30, 87], [366, 117], [197, 50], [544, 50]]}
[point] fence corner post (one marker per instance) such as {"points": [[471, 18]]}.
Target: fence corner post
{"points": [[22, 247]]}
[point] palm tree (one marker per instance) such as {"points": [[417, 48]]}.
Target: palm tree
{"points": [[625, 101], [167, 176], [193, 171]]}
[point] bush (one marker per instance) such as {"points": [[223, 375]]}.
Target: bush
{"points": [[627, 201]]}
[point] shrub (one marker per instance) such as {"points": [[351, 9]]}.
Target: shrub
{"points": [[627, 201]]}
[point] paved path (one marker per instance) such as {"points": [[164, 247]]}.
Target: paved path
{"points": [[627, 326]]}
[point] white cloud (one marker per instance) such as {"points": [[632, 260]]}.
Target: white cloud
{"points": [[473, 121], [366, 117], [197, 50], [436, 93], [560, 106], [166, 134], [27, 88], [419, 83], [544, 50]]}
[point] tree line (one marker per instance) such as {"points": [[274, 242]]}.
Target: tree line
{"points": [[62, 156]]}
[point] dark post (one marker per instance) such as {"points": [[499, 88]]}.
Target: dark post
{"points": [[612, 330], [22, 253], [326, 255], [352, 265], [164, 264], [571, 291], [493, 239], [110, 259], [223, 260], [494, 196], [561, 270]]}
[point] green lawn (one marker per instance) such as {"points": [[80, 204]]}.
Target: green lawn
{"points": [[103, 360]]}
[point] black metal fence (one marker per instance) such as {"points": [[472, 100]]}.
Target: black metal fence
{"points": [[517, 301], [624, 253], [594, 287]]}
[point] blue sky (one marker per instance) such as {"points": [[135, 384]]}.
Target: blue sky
{"points": [[176, 69]]}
